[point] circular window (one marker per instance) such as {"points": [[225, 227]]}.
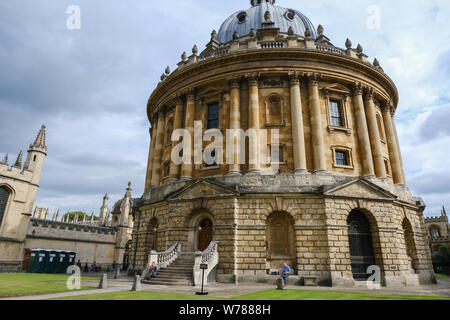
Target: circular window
{"points": [[290, 15], [242, 17]]}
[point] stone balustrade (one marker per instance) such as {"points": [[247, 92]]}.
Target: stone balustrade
{"points": [[210, 257]]}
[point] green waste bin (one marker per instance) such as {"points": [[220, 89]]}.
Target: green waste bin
{"points": [[33, 258], [39, 263], [61, 261]]}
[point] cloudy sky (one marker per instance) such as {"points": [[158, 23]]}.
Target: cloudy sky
{"points": [[90, 86]]}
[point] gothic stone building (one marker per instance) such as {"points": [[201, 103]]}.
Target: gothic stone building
{"points": [[438, 231], [339, 201], [22, 229]]}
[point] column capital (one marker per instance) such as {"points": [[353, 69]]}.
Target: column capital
{"points": [[253, 80], [358, 89], [235, 82], [369, 93], [179, 99], [294, 78], [314, 78], [190, 94]]}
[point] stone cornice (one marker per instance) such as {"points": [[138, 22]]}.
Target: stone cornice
{"points": [[177, 80]]}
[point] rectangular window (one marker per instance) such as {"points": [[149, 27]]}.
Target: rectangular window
{"points": [[336, 113], [213, 116], [166, 169], [342, 158], [276, 154], [388, 170]]}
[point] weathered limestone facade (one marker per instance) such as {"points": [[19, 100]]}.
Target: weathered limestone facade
{"points": [[438, 231], [18, 188], [341, 180]]}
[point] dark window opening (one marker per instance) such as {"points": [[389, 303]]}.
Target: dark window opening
{"points": [[342, 158], [336, 114], [213, 116]]}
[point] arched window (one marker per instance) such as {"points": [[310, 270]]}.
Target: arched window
{"points": [[4, 196], [410, 245], [152, 234], [435, 232], [361, 246]]}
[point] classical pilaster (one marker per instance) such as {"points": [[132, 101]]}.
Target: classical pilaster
{"points": [[151, 153], [374, 135], [397, 171], [157, 158], [362, 132], [298, 135], [253, 113], [235, 115], [318, 144], [178, 124], [186, 169]]}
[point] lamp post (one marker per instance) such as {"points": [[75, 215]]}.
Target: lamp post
{"points": [[154, 239]]}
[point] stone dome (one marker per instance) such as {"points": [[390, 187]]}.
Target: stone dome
{"points": [[243, 21]]}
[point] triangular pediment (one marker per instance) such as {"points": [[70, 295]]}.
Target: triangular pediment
{"points": [[336, 87], [360, 188], [201, 188]]}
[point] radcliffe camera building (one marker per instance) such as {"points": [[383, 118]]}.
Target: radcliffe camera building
{"points": [[339, 202]]}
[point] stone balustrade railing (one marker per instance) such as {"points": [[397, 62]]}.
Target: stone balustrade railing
{"points": [[210, 257], [162, 259]]}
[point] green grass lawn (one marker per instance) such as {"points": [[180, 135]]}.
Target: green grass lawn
{"points": [[25, 284], [262, 295], [442, 276]]}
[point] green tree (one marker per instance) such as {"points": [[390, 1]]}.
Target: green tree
{"points": [[81, 216]]}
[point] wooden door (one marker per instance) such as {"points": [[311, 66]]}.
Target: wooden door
{"points": [[26, 259], [205, 235]]}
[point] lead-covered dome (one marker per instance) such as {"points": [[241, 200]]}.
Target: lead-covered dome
{"points": [[245, 20]]}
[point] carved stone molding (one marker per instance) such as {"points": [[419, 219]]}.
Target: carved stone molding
{"points": [[357, 89], [314, 78]]}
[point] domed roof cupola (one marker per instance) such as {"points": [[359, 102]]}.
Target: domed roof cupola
{"points": [[245, 20]]}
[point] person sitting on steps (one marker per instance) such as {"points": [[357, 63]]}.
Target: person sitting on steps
{"points": [[286, 273], [152, 271]]}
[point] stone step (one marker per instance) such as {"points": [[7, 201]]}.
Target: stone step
{"points": [[164, 283]]}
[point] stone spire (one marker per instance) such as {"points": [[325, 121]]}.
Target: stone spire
{"points": [[104, 210], [18, 163], [39, 143], [443, 213], [57, 215], [92, 217]]}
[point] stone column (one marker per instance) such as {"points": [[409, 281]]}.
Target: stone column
{"points": [[362, 132], [399, 149], [298, 135], [253, 116], [235, 117], [151, 153], [391, 138], [178, 124], [374, 135], [318, 145], [186, 169], [159, 148]]}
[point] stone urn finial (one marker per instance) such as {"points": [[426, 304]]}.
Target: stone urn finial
{"points": [[214, 35], [167, 71], [320, 30], [348, 44], [291, 31], [195, 50], [359, 48], [184, 56], [267, 16], [307, 33], [235, 35]]}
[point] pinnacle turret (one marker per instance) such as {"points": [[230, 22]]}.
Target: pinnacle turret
{"points": [[18, 163], [40, 140]]}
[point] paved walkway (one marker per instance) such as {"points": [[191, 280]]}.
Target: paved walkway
{"points": [[225, 291]]}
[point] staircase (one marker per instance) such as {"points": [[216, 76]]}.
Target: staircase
{"points": [[179, 273]]}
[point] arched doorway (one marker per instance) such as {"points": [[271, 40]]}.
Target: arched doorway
{"points": [[205, 234], [280, 243], [4, 196], [410, 245], [126, 256], [361, 245], [152, 235]]}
